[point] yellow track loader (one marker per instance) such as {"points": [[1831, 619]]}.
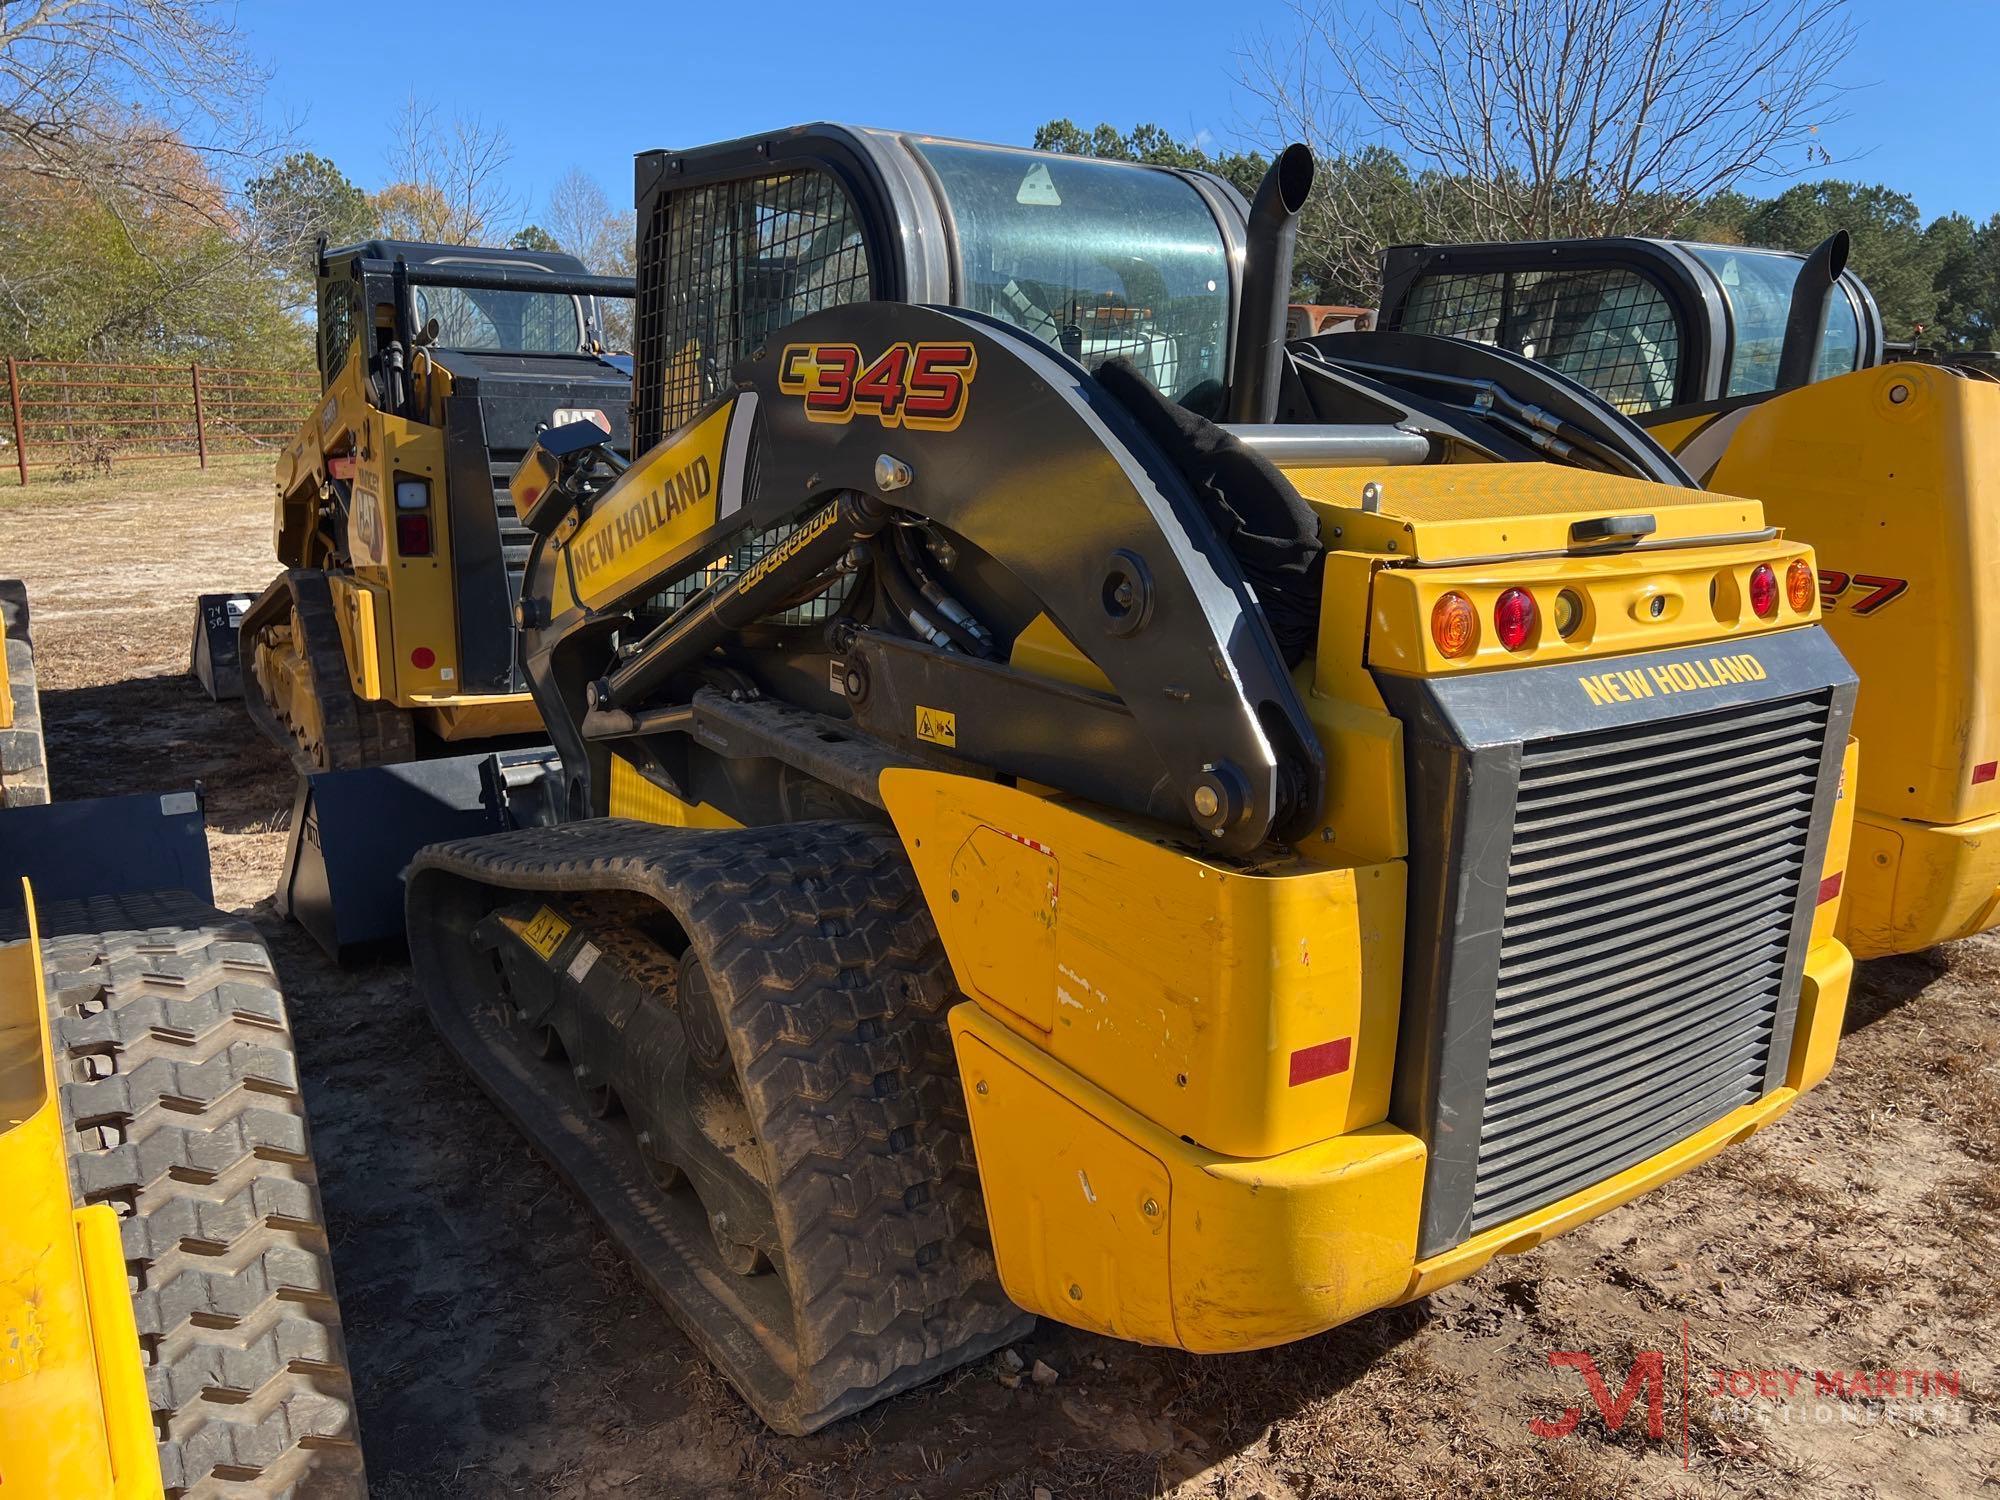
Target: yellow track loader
{"points": [[1071, 806], [168, 1323], [1766, 373], [390, 633]]}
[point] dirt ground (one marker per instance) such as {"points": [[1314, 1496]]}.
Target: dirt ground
{"points": [[501, 1348]]}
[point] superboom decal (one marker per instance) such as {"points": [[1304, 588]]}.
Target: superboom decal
{"points": [[925, 386]]}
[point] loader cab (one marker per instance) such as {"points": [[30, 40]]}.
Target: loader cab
{"points": [[369, 287], [1656, 328], [1096, 258]]}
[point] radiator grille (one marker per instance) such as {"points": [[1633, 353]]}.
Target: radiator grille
{"points": [[1652, 884]]}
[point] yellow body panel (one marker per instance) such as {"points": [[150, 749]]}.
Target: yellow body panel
{"points": [[1458, 512], [1704, 592], [1181, 988], [1102, 1219], [633, 796], [74, 1415], [662, 502], [1156, 1163], [1893, 474], [391, 607], [479, 716]]}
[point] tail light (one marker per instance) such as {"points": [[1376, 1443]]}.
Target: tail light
{"points": [[1514, 615], [413, 516], [1569, 612], [1800, 585], [1764, 591], [1454, 624]]}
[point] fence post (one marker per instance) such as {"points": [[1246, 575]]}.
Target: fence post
{"points": [[14, 405], [200, 436]]}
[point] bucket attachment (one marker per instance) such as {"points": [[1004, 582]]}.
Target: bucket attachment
{"points": [[353, 832], [107, 846], [214, 658]]}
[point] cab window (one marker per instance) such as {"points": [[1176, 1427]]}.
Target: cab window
{"points": [[1100, 259], [1609, 329], [726, 266], [339, 305], [506, 322], [1759, 285]]}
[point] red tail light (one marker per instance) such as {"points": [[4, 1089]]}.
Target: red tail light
{"points": [[1514, 618], [413, 536], [1764, 591]]}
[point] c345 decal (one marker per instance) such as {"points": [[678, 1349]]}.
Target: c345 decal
{"points": [[924, 386], [1878, 591]]}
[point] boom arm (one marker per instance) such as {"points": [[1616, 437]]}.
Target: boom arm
{"points": [[1002, 443]]}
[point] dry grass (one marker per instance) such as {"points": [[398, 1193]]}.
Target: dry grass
{"points": [[164, 479]]}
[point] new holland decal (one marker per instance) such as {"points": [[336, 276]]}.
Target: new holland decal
{"points": [[653, 510], [923, 386], [1629, 684]]}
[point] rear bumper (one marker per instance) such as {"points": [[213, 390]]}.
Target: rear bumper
{"points": [[1103, 1220], [1911, 885]]}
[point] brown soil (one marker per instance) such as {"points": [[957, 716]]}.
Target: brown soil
{"points": [[501, 1347]]}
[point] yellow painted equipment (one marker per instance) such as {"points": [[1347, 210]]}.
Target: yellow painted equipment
{"points": [[1889, 467], [1070, 805], [390, 634]]}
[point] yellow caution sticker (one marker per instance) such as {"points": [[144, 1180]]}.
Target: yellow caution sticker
{"points": [[545, 933], [937, 726]]}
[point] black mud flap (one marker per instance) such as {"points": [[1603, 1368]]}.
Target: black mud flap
{"points": [[214, 658], [354, 832], [106, 846]]}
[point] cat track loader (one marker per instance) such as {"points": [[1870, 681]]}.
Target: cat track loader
{"points": [[168, 1320], [1067, 805], [390, 635], [1767, 373]]}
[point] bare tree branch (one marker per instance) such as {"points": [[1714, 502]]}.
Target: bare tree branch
{"points": [[1550, 118], [120, 95], [447, 185]]}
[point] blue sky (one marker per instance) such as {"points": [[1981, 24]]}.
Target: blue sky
{"points": [[590, 84]]}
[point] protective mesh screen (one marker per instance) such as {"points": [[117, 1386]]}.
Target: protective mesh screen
{"points": [[722, 267], [1610, 330]]}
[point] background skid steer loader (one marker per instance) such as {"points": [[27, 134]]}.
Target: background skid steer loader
{"points": [[1767, 374], [382, 658], [168, 1321], [1068, 805]]}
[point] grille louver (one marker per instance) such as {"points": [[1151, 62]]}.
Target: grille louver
{"points": [[1652, 887]]}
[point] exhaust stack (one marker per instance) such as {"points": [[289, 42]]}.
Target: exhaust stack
{"points": [[1272, 234], [1811, 295]]}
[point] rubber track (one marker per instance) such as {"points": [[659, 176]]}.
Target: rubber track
{"points": [[24, 762], [181, 1096], [834, 985], [355, 733]]}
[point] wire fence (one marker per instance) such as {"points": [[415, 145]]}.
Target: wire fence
{"points": [[75, 420]]}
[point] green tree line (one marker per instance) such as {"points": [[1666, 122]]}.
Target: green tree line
{"points": [[1937, 283]]}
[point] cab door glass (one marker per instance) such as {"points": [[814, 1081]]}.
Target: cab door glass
{"points": [[1759, 286], [1101, 259]]}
